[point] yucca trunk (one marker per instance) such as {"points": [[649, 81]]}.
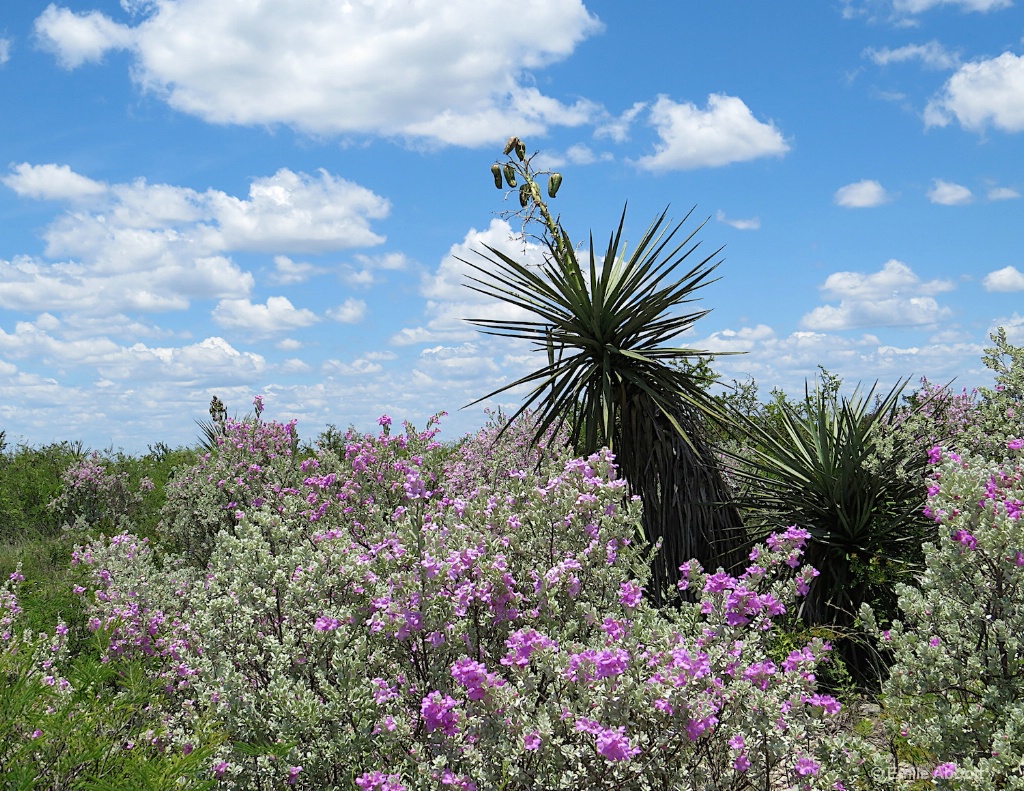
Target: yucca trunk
{"points": [[685, 497]]}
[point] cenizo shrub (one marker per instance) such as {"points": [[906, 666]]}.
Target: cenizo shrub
{"points": [[252, 461], [374, 626], [96, 497], [956, 685], [993, 414]]}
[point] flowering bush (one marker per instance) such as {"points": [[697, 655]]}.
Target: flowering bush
{"points": [[253, 461], [1000, 408], [500, 446], [957, 680], [378, 625], [94, 497]]}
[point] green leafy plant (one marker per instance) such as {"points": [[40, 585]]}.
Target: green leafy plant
{"points": [[810, 467], [610, 375], [73, 721]]}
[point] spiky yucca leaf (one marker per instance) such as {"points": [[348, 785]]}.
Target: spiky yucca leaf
{"points": [[604, 328], [812, 470]]}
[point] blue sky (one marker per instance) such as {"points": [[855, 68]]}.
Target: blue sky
{"points": [[235, 197]]}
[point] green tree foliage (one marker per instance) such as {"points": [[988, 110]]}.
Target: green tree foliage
{"points": [[30, 478]]}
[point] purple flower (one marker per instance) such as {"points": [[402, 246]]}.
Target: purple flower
{"points": [[760, 673], [944, 771], [611, 663], [827, 702], [694, 728], [614, 745], [475, 678], [438, 713], [630, 594], [718, 582], [806, 766], [378, 781], [531, 741], [293, 774], [966, 539], [522, 644], [615, 630], [935, 455], [384, 420], [1015, 444], [326, 624]]}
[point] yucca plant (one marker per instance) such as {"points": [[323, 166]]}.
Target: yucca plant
{"points": [[213, 429], [816, 466], [604, 328]]}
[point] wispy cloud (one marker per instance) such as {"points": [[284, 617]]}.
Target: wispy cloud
{"points": [[932, 55], [752, 224], [1002, 193]]}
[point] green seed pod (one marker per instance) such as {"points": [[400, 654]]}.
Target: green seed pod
{"points": [[554, 182], [512, 143], [496, 172], [524, 195], [510, 175], [520, 149]]}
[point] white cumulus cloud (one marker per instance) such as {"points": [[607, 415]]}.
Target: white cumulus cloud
{"points": [[277, 315], [457, 72], [981, 94], [892, 297], [80, 38], [862, 195], [5, 50], [725, 131], [294, 211], [288, 272], [946, 193], [351, 311], [52, 182], [450, 303], [139, 247], [1009, 278]]}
